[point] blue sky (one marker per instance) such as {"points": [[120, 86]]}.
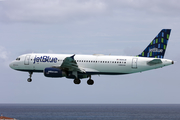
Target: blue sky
{"points": [[113, 27]]}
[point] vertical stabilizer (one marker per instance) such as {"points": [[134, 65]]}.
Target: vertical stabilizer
{"points": [[157, 48]]}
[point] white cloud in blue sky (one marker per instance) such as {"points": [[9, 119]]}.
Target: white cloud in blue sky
{"points": [[115, 27]]}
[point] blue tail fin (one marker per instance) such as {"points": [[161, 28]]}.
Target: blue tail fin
{"points": [[157, 48]]}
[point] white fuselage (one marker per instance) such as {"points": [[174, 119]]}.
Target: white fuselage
{"points": [[83, 66], [92, 64]]}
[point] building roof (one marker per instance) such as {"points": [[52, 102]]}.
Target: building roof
{"points": [[3, 117]]}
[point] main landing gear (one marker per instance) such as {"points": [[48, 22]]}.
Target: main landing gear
{"points": [[78, 81], [30, 75], [90, 81]]}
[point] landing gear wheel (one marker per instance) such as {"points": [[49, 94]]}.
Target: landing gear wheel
{"points": [[30, 75], [29, 80], [77, 81], [90, 82]]}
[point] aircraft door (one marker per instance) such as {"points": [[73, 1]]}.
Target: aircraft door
{"points": [[134, 63], [26, 60]]}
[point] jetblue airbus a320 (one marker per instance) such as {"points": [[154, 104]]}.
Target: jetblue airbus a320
{"points": [[77, 67]]}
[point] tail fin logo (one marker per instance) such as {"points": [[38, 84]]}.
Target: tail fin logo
{"points": [[156, 50], [157, 47]]}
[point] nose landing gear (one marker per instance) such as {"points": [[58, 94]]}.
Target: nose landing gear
{"points": [[30, 75]]}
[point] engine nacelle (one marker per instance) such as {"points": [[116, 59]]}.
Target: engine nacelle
{"points": [[54, 72]]}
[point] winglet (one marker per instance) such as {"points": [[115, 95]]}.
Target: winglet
{"points": [[157, 48], [73, 56]]}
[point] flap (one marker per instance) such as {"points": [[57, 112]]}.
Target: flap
{"points": [[89, 70]]}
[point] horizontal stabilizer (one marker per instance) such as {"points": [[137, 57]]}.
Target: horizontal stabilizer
{"points": [[154, 62]]}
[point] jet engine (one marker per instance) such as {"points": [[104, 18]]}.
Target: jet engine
{"points": [[54, 72]]}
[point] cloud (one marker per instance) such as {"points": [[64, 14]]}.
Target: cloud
{"points": [[153, 6], [3, 53], [56, 11], [49, 11], [4, 59]]}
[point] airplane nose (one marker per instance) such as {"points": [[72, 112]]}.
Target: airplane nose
{"points": [[11, 65]]}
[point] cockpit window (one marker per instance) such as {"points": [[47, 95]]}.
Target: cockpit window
{"points": [[17, 58]]}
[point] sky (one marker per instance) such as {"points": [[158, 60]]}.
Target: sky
{"points": [[110, 27]]}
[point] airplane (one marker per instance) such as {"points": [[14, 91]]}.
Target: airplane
{"points": [[76, 66]]}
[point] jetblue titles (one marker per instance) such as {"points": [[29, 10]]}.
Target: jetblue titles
{"points": [[45, 59], [155, 50]]}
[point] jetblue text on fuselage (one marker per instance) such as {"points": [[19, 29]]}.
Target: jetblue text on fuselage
{"points": [[45, 59]]}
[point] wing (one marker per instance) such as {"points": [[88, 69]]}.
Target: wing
{"points": [[69, 64]]}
